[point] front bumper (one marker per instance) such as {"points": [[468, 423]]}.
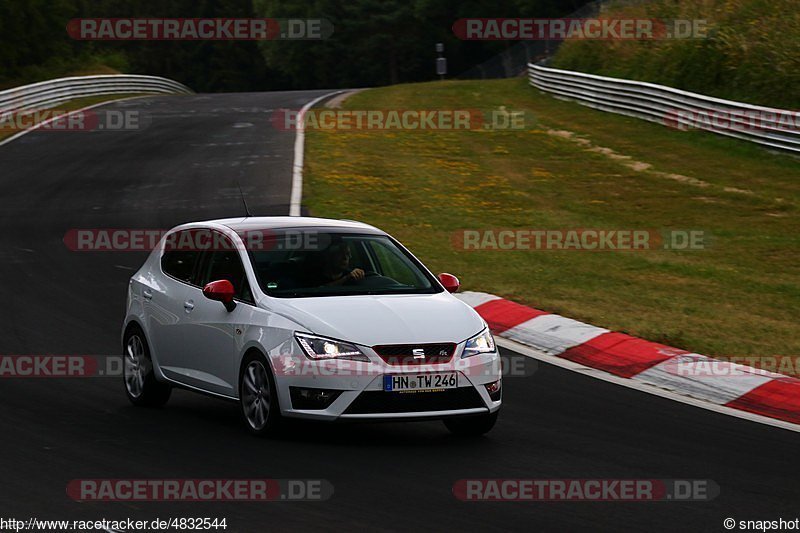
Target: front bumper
{"points": [[359, 387]]}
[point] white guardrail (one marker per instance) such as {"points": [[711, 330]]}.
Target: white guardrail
{"points": [[50, 93], [775, 128]]}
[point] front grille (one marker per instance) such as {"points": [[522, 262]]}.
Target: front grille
{"points": [[404, 354], [415, 402]]}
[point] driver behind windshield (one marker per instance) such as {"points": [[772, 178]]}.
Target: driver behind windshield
{"points": [[334, 268]]}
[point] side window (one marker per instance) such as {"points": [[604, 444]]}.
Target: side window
{"points": [[179, 263], [225, 263]]}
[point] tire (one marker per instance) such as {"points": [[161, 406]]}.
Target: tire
{"points": [[258, 396], [471, 426], [139, 379]]}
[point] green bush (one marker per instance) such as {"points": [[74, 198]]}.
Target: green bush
{"points": [[752, 52]]}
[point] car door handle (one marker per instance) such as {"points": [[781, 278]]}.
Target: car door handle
{"points": [[188, 305], [147, 294]]}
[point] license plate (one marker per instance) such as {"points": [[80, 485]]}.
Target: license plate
{"points": [[419, 382]]}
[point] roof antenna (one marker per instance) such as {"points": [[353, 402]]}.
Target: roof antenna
{"points": [[246, 209]]}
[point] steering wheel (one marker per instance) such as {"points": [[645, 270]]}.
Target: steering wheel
{"points": [[367, 274]]}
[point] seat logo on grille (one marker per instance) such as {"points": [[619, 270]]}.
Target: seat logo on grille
{"points": [[418, 353]]}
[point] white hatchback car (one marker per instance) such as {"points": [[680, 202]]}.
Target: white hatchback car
{"points": [[307, 317]]}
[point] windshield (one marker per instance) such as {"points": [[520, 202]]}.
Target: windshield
{"points": [[298, 264]]}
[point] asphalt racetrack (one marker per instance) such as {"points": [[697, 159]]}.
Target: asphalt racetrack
{"points": [[185, 166]]}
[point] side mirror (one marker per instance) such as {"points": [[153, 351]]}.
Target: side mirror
{"points": [[449, 282], [221, 291]]}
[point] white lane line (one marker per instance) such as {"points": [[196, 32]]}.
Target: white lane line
{"points": [[641, 386], [299, 145], [48, 121]]}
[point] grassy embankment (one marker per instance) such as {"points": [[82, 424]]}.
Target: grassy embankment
{"points": [[579, 168]]}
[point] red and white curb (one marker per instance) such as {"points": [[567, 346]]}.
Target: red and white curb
{"points": [[728, 386]]}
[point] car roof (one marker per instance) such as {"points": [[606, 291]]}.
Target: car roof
{"points": [[241, 224]]}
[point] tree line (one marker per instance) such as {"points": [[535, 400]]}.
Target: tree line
{"points": [[374, 42]]}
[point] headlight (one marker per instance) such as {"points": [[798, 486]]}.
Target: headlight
{"points": [[483, 342], [318, 348]]}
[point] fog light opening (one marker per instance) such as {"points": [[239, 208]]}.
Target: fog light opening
{"points": [[308, 398], [495, 390]]}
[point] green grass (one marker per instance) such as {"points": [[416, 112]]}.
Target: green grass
{"points": [[739, 297]]}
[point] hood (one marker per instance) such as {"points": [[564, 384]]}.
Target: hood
{"points": [[385, 319]]}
